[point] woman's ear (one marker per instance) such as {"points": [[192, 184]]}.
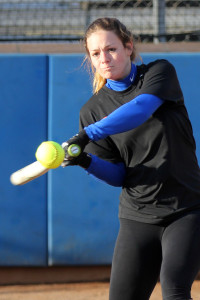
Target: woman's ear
{"points": [[129, 47]]}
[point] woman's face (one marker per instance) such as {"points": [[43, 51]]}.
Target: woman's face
{"points": [[108, 55]]}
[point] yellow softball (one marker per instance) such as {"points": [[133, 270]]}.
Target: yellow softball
{"points": [[50, 154]]}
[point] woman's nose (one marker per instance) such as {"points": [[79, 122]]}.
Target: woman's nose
{"points": [[104, 57]]}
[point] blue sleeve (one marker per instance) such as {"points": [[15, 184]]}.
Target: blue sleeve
{"points": [[124, 118], [111, 173]]}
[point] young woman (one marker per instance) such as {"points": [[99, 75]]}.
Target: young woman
{"points": [[135, 133]]}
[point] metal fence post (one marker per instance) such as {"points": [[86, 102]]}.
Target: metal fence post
{"points": [[159, 20]]}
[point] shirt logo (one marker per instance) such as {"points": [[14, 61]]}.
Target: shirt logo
{"points": [[132, 78]]}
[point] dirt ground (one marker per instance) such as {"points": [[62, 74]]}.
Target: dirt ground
{"points": [[64, 47], [72, 291]]}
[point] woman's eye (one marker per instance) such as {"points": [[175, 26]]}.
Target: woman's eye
{"points": [[112, 49], [95, 54]]}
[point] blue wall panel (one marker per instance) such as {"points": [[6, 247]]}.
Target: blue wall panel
{"points": [[82, 212], [23, 126], [79, 223]]}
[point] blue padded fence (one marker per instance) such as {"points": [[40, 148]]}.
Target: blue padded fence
{"points": [[65, 217]]}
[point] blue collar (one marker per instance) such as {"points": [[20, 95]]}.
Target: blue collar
{"points": [[123, 84]]}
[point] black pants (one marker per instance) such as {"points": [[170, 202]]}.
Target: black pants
{"points": [[143, 252]]}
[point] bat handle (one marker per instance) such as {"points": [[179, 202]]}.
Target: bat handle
{"points": [[74, 150]]}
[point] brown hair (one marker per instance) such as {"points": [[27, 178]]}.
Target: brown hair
{"points": [[114, 25]]}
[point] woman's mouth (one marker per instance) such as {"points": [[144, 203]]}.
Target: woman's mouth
{"points": [[107, 68]]}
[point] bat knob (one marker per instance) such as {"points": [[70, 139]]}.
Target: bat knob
{"points": [[74, 150]]}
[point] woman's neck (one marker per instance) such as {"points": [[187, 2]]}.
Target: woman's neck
{"points": [[123, 84]]}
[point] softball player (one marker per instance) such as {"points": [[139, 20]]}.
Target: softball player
{"points": [[135, 133]]}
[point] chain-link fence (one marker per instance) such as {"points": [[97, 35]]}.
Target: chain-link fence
{"points": [[150, 20]]}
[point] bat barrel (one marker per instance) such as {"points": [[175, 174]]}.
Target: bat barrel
{"points": [[28, 173]]}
